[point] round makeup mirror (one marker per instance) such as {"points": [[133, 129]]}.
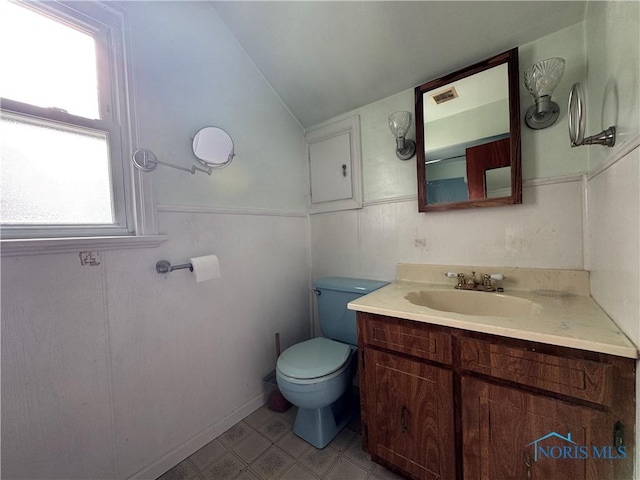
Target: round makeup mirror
{"points": [[213, 147], [577, 117]]}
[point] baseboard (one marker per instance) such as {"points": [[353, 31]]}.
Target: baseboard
{"points": [[195, 443]]}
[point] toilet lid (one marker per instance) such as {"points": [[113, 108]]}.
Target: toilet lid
{"points": [[314, 358]]}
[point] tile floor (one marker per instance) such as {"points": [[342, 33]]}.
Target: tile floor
{"points": [[263, 447]]}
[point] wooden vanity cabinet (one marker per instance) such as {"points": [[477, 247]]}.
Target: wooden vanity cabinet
{"points": [[444, 403], [407, 416], [499, 422]]}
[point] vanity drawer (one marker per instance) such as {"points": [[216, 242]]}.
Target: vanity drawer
{"points": [[582, 379], [406, 336]]}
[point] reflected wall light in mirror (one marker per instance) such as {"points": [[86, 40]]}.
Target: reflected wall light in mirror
{"points": [[541, 79], [578, 120], [399, 123], [212, 146], [468, 137]]}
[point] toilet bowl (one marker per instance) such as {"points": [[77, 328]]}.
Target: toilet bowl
{"points": [[321, 393], [316, 375]]}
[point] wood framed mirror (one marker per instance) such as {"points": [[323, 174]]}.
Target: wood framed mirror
{"points": [[468, 137]]}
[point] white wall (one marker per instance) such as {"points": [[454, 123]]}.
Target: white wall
{"points": [[545, 231], [191, 73], [113, 369], [547, 153], [613, 189], [613, 74], [614, 194], [370, 242]]}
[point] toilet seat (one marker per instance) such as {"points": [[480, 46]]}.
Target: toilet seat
{"points": [[313, 359]]}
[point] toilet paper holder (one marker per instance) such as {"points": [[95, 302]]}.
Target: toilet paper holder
{"points": [[163, 266], [206, 267]]}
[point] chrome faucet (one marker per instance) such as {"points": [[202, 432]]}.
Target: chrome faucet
{"points": [[472, 283]]}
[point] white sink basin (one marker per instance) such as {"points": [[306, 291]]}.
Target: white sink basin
{"points": [[472, 303]]}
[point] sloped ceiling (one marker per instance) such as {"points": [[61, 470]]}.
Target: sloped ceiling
{"points": [[325, 58]]}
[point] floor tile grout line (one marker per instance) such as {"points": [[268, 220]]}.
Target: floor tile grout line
{"points": [[254, 425], [340, 454], [300, 466]]}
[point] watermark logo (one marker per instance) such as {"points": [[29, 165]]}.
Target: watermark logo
{"points": [[570, 450]]}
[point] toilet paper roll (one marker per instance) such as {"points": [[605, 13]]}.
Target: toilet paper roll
{"points": [[206, 267]]}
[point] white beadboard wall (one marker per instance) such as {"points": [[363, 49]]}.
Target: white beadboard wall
{"points": [[56, 392], [113, 368], [370, 242], [187, 355], [613, 242]]}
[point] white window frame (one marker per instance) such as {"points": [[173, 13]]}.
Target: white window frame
{"points": [[133, 206]]}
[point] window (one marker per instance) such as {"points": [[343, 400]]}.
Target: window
{"points": [[63, 125]]}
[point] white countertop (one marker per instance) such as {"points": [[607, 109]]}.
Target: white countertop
{"points": [[570, 320]]}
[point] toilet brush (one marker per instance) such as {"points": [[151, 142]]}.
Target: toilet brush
{"points": [[277, 402]]}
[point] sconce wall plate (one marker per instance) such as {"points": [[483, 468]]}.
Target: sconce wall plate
{"points": [[539, 120], [407, 150]]}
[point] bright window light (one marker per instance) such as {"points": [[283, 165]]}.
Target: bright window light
{"points": [[61, 148], [47, 63], [53, 175]]}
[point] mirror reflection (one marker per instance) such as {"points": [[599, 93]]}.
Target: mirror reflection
{"points": [[213, 147], [469, 144]]}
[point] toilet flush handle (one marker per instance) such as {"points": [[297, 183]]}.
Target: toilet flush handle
{"points": [[316, 291]]}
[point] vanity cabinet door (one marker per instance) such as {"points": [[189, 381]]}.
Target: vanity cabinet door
{"points": [[410, 415], [511, 434]]}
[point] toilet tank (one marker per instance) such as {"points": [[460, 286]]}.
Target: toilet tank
{"points": [[333, 295]]}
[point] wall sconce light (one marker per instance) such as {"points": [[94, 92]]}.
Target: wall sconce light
{"points": [[399, 123], [541, 79]]}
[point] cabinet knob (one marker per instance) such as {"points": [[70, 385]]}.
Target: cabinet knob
{"points": [[344, 169]]}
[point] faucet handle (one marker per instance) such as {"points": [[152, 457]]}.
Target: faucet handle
{"points": [[459, 276], [487, 286]]}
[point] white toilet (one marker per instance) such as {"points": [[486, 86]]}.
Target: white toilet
{"points": [[316, 375]]}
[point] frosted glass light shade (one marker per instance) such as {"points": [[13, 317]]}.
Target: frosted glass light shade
{"points": [[543, 77], [399, 123]]}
